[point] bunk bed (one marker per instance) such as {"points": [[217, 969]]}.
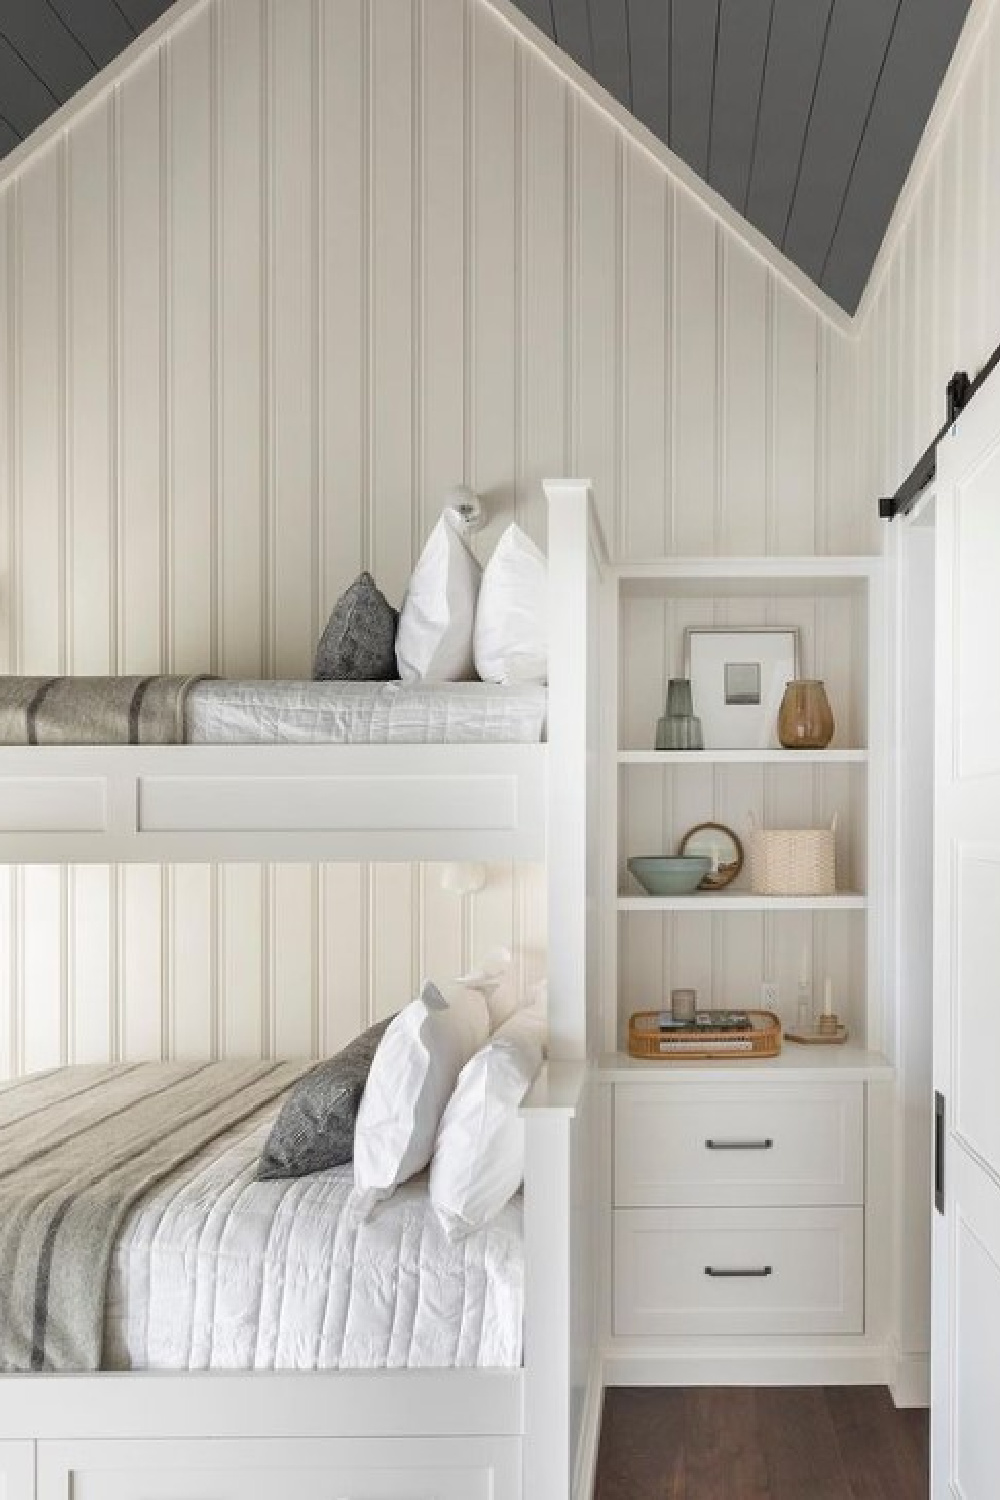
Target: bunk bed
{"points": [[524, 1433]]}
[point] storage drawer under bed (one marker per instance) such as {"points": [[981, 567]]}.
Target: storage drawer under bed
{"points": [[735, 1271], [697, 1145]]}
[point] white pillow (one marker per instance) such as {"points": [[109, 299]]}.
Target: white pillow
{"points": [[496, 981], [437, 620], [478, 1162], [413, 1075], [512, 617]]}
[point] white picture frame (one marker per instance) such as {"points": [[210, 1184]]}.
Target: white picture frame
{"points": [[738, 679]]}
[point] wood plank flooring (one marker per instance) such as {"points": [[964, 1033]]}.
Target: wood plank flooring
{"points": [[813, 1443]]}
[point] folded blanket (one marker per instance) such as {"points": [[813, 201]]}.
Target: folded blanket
{"points": [[93, 710], [78, 1148]]}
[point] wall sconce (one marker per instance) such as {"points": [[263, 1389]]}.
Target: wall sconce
{"points": [[463, 878], [468, 506]]}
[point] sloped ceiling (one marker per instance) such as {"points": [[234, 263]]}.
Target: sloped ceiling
{"points": [[804, 114], [49, 49]]}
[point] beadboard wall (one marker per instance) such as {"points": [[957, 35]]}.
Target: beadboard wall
{"points": [[301, 267]]}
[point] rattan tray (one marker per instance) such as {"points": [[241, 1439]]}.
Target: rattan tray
{"points": [[645, 1039]]}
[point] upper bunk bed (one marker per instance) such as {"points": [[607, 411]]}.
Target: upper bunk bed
{"points": [[281, 801]]}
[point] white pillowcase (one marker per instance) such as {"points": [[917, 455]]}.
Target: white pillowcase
{"points": [[478, 1162], [512, 618], [437, 620], [413, 1075]]}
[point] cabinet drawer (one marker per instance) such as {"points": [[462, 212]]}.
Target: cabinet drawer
{"points": [[687, 1145], [738, 1271]]}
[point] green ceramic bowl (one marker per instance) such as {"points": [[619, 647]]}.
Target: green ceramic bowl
{"points": [[670, 875]]}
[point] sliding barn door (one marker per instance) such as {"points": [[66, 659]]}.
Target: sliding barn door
{"points": [[966, 1358]]}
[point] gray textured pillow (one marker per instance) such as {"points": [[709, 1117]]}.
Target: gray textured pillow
{"points": [[315, 1128], [359, 642]]}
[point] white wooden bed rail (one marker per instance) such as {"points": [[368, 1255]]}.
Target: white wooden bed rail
{"points": [[188, 803], [401, 1435]]}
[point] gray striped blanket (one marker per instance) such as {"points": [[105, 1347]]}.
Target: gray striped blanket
{"points": [[93, 710], [79, 1147]]}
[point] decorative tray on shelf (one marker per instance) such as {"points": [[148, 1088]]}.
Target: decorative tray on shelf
{"points": [[654, 1034]]}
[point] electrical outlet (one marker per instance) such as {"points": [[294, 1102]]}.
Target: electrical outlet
{"points": [[770, 994]]}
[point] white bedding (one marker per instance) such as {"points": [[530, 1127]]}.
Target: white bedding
{"points": [[366, 713], [215, 1270]]}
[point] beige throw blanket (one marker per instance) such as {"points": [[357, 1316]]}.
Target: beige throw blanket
{"points": [[78, 1147], [93, 710]]}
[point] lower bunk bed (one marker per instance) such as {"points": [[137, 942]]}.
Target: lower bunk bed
{"points": [[250, 1338]]}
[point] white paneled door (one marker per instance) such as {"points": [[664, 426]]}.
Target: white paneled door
{"points": [[966, 1333]]}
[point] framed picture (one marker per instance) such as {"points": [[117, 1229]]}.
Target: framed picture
{"points": [[738, 679]]}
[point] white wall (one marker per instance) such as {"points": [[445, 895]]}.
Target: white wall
{"points": [[303, 267], [932, 307]]}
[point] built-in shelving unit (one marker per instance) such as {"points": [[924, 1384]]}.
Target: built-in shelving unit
{"points": [[727, 943]]}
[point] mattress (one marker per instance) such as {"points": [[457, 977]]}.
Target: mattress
{"points": [[215, 1270], [364, 713]]}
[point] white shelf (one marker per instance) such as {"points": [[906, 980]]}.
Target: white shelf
{"points": [[743, 901], [794, 1064], [741, 757], [735, 577]]}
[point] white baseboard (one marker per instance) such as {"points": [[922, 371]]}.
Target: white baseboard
{"points": [[585, 1474], [909, 1378], [740, 1365]]}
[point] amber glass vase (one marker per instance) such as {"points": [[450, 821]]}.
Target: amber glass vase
{"points": [[805, 719]]}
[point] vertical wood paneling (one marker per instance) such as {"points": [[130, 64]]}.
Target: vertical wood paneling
{"points": [[240, 296], [141, 315], [493, 231], [304, 267], [91, 385], [293, 335], [545, 282], [694, 420], [40, 373], [190, 201], [646, 335], [392, 260]]}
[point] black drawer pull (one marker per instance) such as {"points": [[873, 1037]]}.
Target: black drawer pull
{"points": [[749, 1271], [764, 1145]]}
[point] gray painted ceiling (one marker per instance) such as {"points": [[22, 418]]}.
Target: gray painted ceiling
{"points": [[50, 48], [804, 114]]}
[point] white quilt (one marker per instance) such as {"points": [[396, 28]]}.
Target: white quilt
{"points": [[215, 1270], [364, 713]]}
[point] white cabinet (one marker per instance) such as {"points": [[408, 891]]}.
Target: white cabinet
{"points": [[688, 1145], [17, 1471], [693, 1271], [738, 1210], [274, 1469]]}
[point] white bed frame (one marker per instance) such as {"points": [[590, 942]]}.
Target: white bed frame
{"points": [[525, 1434]]}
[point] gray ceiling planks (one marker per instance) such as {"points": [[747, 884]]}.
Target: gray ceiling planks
{"points": [[98, 25], [609, 33], [46, 47], [648, 45], [572, 26], [694, 27], [25, 99], [926, 30], [49, 49], [803, 114], [740, 71], [794, 54], [859, 35], [540, 12]]}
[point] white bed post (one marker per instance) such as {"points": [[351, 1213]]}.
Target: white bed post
{"points": [[575, 558]]}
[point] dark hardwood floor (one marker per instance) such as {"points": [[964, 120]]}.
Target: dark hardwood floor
{"points": [[813, 1443]]}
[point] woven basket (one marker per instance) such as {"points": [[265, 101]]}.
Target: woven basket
{"points": [[793, 861]]}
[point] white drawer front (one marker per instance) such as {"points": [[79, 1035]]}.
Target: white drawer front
{"points": [[738, 1271], [688, 1145]]}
